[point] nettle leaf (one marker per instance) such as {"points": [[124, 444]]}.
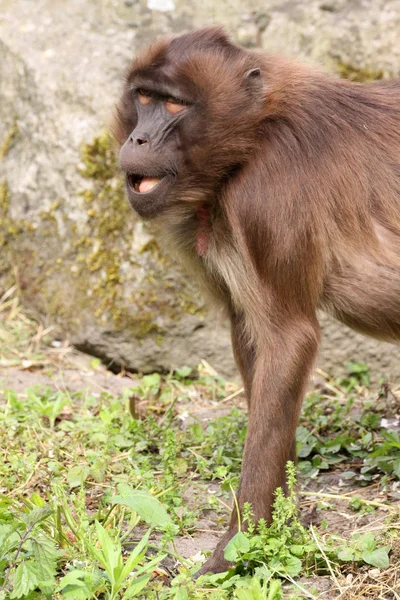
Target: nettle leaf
{"points": [[9, 539], [37, 515], [97, 473], [25, 579], [377, 558], [77, 475], [147, 506], [239, 544], [45, 554]]}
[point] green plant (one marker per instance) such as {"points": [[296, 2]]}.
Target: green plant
{"points": [[128, 574], [364, 548], [285, 548], [28, 557], [339, 426]]}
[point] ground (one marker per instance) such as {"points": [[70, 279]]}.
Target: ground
{"points": [[95, 462]]}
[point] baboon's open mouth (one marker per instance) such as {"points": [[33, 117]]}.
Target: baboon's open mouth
{"points": [[142, 184]]}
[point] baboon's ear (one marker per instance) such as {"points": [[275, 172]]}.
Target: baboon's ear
{"points": [[256, 72]]}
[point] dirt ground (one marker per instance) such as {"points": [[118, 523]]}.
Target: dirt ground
{"points": [[79, 373]]}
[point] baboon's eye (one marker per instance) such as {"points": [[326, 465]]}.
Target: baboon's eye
{"points": [[144, 97], [174, 106]]}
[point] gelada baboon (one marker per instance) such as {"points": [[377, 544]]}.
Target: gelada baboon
{"points": [[280, 187]]}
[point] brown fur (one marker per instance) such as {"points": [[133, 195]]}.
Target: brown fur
{"points": [[300, 175]]}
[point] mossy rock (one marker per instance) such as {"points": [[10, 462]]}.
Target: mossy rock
{"points": [[94, 259], [103, 279]]}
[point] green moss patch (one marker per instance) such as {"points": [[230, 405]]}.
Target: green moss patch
{"points": [[6, 145], [358, 74]]}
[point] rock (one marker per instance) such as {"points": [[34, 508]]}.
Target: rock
{"points": [[79, 254], [339, 33], [67, 236]]}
